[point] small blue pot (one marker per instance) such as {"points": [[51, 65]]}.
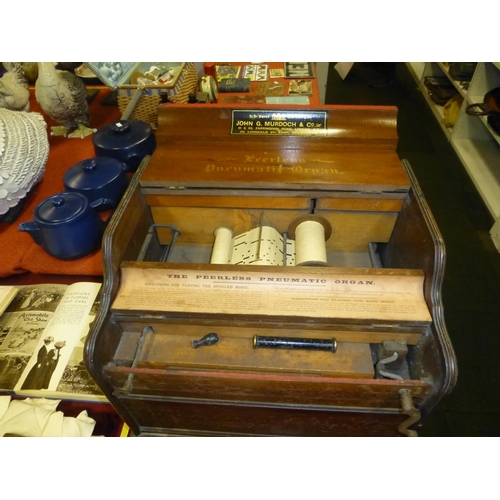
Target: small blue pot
{"points": [[97, 178], [67, 226]]}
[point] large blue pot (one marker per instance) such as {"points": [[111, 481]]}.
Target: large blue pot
{"points": [[128, 141]]}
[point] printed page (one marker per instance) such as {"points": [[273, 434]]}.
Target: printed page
{"points": [[76, 382], [67, 326]]}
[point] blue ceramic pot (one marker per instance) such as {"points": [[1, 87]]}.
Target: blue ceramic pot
{"points": [[97, 178], [128, 141], [66, 226]]}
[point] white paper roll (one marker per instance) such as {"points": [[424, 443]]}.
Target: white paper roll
{"points": [[310, 247], [223, 246]]}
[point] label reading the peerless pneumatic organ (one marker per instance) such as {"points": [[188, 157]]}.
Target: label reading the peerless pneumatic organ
{"points": [[263, 122], [269, 293]]}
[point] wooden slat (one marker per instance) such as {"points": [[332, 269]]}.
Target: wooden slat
{"points": [[359, 204], [205, 200], [249, 387]]}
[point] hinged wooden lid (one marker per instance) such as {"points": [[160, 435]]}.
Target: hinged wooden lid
{"points": [[330, 148]]}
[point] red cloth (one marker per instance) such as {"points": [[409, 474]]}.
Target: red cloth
{"points": [[19, 253]]}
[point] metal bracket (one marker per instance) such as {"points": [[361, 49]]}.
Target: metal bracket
{"points": [[166, 250], [392, 360], [408, 408]]}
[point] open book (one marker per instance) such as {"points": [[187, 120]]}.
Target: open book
{"points": [[42, 335]]}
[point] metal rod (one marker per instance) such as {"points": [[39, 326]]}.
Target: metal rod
{"points": [[374, 256], [136, 96], [128, 385]]}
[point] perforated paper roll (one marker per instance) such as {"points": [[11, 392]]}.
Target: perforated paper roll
{"points": [[223, 246]]}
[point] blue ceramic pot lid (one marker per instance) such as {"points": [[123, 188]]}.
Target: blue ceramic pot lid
{"points": [[61, 208], [93, 173]]}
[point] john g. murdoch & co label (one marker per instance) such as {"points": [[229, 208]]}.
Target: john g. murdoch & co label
{"points": [[261, 122]]}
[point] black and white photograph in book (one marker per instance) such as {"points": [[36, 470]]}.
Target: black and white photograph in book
{"points": [[22, 326]]}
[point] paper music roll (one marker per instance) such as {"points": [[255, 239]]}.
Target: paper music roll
{"points": [[310, 236], [223, 246]]}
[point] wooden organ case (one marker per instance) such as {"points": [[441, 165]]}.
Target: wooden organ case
{"points": [[358, 342]]}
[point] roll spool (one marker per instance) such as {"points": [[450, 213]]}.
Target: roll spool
{"points": [[223, 245], [209, 85], [310, 233]]}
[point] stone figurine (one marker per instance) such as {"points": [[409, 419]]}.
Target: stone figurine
{"points": [[63, 97], [14, 92]]}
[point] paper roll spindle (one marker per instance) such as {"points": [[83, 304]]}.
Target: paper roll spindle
{"points": [[223, 245], [310, 234]]}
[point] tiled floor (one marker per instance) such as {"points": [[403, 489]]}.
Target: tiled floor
{"points": [[471, 289]]}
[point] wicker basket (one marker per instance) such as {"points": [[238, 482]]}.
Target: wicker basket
{"points": [[146, 109]]}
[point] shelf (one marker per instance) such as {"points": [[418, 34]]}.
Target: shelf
{"points": [[462, 91], [481, 160], [437, 110], [475, 142], [416, 69], [495, 136], [486, 78]]}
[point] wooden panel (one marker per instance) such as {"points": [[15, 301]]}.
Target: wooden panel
{"points": [[356, 124], [359, 204], [290, 389], [350, 360], [356, 152], [351, 231], [197, 418], [197, 225], [349, 170]]}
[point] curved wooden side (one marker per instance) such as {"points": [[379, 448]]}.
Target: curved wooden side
{"points": [[121, 241], [417, 243]]}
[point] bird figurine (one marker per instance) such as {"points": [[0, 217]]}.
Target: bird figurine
{"points": [[14, 92], [63, 97]]}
